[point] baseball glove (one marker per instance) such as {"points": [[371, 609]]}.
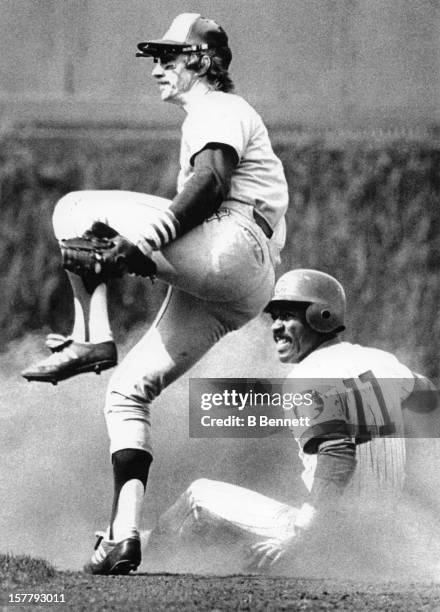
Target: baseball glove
{"points": [[109, 256]]}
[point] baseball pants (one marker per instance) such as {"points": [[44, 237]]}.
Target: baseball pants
{"points": [[211, 527], [221, 275], [212, 504]]}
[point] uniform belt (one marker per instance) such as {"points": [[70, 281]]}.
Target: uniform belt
{"points": [[258, 218], [263, 224]]}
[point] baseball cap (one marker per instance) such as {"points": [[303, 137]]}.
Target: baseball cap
{"points": [[188, 32]]}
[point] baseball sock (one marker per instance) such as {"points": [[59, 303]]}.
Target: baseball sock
{"points": [[130, 469], [99, 324], [91, 320], [128, 511]]}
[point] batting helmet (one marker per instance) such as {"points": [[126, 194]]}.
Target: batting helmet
{"points": [[324, 295]]}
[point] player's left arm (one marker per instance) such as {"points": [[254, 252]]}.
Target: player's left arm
{"points": [[424, 396], [201, 196], [208, 187]]}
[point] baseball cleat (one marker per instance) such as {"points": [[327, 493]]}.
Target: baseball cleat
{"points": [[70, 358], [111, 558]]}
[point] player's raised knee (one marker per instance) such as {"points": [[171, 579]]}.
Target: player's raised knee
{"points": [[65, 204], [199, 486], [63, 214]]}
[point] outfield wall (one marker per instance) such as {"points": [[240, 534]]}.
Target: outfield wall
{"points": [[300, 62]]}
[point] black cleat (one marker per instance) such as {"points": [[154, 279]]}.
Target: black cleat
{"points": [[111, 558], [70, 358]]}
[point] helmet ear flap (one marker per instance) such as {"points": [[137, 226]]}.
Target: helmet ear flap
{"points": [[320, 317]]}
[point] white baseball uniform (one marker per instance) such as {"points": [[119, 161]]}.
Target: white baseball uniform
{"points": [[361, 391], [356, 389], [209, 527], [221, 272], [259, 178]]}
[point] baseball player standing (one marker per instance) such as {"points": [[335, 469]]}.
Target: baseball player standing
{"points": [[215, 244], [352, 446]]}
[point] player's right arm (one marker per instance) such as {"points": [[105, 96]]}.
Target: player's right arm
{"points": [[336, 462], [327, 434], [335, 466]]}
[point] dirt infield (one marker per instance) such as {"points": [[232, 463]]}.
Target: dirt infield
{"points": [[157, 592]]}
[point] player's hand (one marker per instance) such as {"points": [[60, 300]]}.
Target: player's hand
{"points": [[110, 257], [266, 554]]}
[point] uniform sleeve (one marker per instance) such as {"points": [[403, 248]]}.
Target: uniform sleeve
{"points": [[207, 188], [200, 198], [335, 466], [214, 124], [321, 416]]}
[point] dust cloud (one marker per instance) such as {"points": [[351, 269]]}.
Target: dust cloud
{"points": [[55, 476], [56, 481]]}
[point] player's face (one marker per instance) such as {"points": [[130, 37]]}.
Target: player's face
{"points": [[292, 335], [173, 77]]}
